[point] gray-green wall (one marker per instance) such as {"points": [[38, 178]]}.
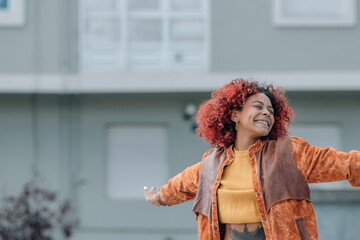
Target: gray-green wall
{"points": [[242, 39], [32, 136], [62, 136], [46, 42]]}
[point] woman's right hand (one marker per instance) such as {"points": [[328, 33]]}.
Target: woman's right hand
{"points": [[152, 196]]}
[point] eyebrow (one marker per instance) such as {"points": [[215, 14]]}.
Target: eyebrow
{"points": [[257, 101]]}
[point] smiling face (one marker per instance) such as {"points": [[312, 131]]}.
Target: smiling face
{"points": [[256, 118]]}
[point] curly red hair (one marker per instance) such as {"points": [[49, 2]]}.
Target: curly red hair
{"points": [[214, 116]]}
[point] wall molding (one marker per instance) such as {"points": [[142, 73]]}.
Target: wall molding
{"points": [[145, 82], [335, 196]]}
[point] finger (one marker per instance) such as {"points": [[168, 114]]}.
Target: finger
{"points": [[146, 188]]}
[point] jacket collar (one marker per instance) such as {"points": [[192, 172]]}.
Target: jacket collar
{"points": [[252, 149]]}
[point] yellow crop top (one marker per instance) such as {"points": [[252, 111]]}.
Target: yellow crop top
{"points": [[235, 196]]}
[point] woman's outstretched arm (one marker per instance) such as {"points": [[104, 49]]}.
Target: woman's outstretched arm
{"points": [[181, 188], [326, 164]]}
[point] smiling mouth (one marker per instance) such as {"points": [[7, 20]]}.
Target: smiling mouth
{"points": [[263, 122]]}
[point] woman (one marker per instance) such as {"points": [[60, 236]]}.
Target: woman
{"points": [[254, 183]]}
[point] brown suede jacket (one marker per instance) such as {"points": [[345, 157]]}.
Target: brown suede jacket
{"points": [[281, 169]]}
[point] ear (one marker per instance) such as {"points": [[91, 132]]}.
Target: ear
{"points": [[234, 114]]}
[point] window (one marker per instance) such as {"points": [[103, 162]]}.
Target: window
{"points": [[314, 13], [320, 135], [144, 34], [12, 13], [136, 156]]}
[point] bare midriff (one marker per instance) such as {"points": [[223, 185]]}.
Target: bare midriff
{"points": [[244, 231]]}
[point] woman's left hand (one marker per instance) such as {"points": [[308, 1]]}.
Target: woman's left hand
{"points": [[151, 196]]}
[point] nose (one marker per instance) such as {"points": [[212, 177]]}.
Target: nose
{"points": [[266, 112]]}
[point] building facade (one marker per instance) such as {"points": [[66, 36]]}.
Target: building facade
{"points": [[99, 108]]}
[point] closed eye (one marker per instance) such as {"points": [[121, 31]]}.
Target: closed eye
{"points": [[260, 108]]}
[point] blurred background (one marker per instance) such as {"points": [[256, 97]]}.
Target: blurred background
{"points": [[97, 98]]}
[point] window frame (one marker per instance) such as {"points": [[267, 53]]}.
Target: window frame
{"points": [[121, 59]]}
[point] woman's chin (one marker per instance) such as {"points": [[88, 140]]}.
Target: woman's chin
{"points": [[263, 133]]}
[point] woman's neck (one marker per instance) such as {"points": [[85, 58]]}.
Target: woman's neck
{"points": [[244, 143]]}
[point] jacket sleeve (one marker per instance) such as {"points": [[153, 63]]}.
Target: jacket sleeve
{"points": [[182, 187], [326, 164]]}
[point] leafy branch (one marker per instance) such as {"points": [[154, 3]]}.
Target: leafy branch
{"points": [[34, 215]]}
